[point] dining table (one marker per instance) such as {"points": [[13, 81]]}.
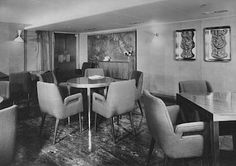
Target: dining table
{"points": [[215, 107], [89, 83]]}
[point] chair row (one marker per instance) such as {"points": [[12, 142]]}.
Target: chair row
{"points": [[119, 99]]}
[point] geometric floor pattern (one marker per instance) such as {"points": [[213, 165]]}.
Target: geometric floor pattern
{"points": [[71, 148]]}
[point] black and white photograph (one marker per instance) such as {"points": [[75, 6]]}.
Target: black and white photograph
{"points": [[117, 82]]}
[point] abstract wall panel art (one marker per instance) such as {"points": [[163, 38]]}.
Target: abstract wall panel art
{"points": [[118, 46], [185, 44], [217, 44]]}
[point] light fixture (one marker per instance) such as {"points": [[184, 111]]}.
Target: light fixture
{"points": [[18, 38]]}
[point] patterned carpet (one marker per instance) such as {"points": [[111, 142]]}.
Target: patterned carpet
{"points": [[71, 148]]}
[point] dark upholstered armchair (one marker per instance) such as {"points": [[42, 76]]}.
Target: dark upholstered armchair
{"points": [[85, 66], [20, 87], [138, 76], [51, 102], [172, 138]]}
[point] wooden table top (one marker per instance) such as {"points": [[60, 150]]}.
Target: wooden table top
{"points": [[221, 104]]}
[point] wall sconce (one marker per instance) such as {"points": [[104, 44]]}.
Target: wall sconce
{"points": [[156, 34], [18, 38]]}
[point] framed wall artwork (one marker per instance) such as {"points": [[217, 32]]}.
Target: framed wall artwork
{"points": [[185, 44], [217, 44]]}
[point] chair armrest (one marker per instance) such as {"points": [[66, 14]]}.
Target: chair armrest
{"points": [[72, 98], [189, 127], [63, 84], [173, 112], [98, 97]]}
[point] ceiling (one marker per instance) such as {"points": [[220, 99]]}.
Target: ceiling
{"points": [[95, 15]]}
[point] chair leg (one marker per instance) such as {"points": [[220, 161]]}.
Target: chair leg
{"points": [[113, 130], [55, 131], [42, 123], [28, 101], [165, 160], [68, 120], [234, 141], [80, 123], [151, 147], [118, 120], [95, 121], [131, 122], [140, 107]]}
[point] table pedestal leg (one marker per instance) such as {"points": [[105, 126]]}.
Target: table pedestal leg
{"points": [[89, 121], [215, 151]]}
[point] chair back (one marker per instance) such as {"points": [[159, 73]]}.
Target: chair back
{"points": [[48, 77], [50, 100], [4, 89], [93, 71], [20, 84], [86, 65], [195, 86], [158, 121], [121, 96], [7, 134], [138, 76]]}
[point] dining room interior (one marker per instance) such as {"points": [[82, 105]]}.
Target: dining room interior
{"points": [[129, 82]]}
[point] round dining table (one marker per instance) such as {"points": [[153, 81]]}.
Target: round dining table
{"points": [[89, 83]]}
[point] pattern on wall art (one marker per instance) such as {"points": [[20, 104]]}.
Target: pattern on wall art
{"points": [[185, 44], [118, 46], [217, 43]]}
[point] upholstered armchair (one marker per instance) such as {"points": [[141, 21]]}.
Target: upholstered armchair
{"points": [[85, 66], [48, 77], [120, 99], [172, 138], [93, 71], [51, 102], [138, 76], [4, 89], [7, 134], [195, 86], [20, 87]]}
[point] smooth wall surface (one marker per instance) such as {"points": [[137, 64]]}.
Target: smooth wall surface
{"points": [[11, 53], [155, 57]]}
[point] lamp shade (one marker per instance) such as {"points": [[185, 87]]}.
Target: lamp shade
{"points": [[18, 38]]}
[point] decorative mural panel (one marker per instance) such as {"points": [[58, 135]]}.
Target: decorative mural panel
{"points": [[185, 48], [119, 46], [217, 43]]}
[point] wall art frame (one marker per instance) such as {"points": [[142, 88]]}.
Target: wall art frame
{"points": [[217, 44], [185, 44]]}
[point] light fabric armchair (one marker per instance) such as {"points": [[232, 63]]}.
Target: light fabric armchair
{"points": [[171, 138], [93, 71], [138, 76], [7, 134], [195, 87], [51, 102], [120, 99]]}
